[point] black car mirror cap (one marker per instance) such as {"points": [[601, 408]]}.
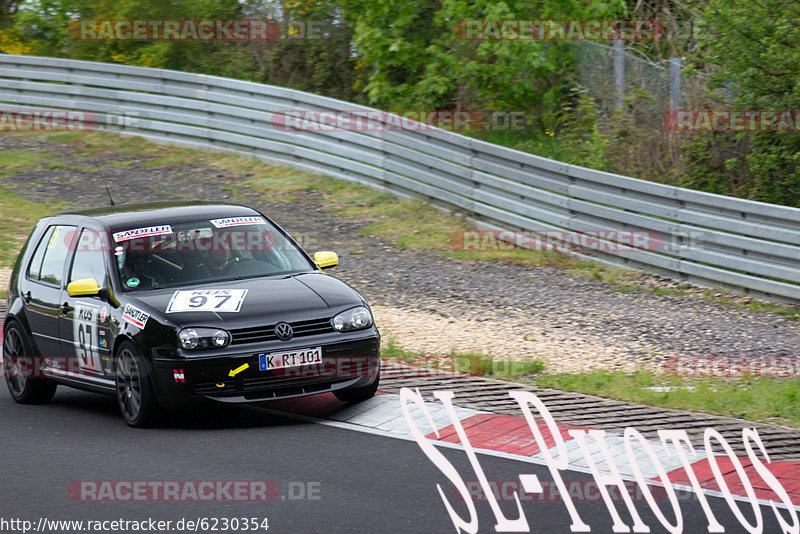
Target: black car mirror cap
{"points": [[107, 295]]}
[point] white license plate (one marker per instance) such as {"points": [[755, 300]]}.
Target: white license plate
{"points": [[289, 358]]}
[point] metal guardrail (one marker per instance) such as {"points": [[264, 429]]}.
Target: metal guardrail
{"points": [[739, 244]]}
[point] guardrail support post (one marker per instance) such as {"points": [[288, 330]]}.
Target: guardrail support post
{"points": [[619, 73], [675, 82]]}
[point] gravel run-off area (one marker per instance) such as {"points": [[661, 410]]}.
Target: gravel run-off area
{"points": [[426, 302]]}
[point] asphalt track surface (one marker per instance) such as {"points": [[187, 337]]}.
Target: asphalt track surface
{"points": [[360, 482]]}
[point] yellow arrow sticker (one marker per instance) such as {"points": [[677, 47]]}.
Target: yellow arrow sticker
{"points": [[239, 369]]}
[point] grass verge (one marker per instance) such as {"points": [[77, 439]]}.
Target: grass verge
{"points": [[470, 363], [765, 399], [19, 216], [13, 161]]}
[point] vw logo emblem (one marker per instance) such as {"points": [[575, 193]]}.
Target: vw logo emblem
{"points": [[284, 331]]}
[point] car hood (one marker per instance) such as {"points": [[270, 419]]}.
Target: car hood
{"points": [[269, 300]]}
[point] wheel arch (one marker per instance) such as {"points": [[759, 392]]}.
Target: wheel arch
{"points": [[122, 338], [119, 340], [14, 319], [20, 320]]}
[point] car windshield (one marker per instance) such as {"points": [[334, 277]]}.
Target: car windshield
{"points": [[202, 251]]}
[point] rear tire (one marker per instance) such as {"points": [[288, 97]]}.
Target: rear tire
{"points": [[135, 396], [358, 394], [19, 366]]}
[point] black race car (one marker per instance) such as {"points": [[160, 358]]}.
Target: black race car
{"points": [[163, 302]]}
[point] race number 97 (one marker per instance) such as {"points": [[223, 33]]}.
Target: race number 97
{"points": [[84, 336], [199, 301], [214, 300]]}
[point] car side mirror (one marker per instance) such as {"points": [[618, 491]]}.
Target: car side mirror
{"points": [[325, 259], [86, 287]]}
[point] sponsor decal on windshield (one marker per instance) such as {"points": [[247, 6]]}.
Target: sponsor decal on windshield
{"points": [[236, 221], [142, 232], [135, 316]]}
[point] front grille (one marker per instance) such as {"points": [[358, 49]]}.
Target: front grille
{"points": [[258, 334]]}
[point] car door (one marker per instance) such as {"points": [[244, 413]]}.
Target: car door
{"points": [[84, 327], [43, 285]]}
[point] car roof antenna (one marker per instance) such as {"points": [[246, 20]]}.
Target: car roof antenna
{"points": [[103, 176]]}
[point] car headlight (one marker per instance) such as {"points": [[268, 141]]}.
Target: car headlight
{"points": [[353, 319], [203, 338]]}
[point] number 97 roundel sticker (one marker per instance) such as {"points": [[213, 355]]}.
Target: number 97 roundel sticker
{"points": [[215, 300]]}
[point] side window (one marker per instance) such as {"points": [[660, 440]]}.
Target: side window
{"points": [[36, 262], [56, 249], [89, 260]]}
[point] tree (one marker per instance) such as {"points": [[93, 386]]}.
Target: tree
{"points": [[8, 9], [756, 49], [416, 55]]}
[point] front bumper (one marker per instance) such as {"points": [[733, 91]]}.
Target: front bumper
{"points": [[351, 363]]}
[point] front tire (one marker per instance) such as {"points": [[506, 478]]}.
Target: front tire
{"points": [[358, 394], [19, 366], [135, 396]]}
